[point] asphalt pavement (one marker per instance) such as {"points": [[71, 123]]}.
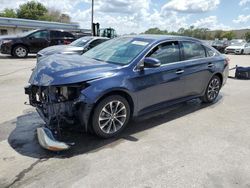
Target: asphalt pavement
{"points": [[193, 145]]}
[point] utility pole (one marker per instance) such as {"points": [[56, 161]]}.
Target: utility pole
{"points": [[92, 18]]}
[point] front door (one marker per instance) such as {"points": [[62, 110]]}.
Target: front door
{"points": [[164, 83], [38, 40]]}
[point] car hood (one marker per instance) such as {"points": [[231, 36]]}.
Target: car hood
{"points": [[8, 37], [62, 69], [60, 49]]}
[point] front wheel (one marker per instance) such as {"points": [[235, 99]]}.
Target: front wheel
{"points": [[20, 51], [212, 90], [111, 116]]}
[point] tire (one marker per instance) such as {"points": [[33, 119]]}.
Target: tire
{"points": [[20, 51], [212, 90], [242, 51], [106, 124]]}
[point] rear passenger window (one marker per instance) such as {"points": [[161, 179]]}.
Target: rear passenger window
{"points": [[55, 34], [193, 50], [167, 52]]}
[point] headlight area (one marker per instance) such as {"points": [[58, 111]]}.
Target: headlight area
{"points": [[55, 103]]}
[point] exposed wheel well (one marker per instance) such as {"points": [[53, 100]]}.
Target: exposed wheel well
{"points": [[116, 92], [220, 76]]}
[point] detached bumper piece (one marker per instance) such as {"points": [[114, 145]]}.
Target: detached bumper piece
{"points": [[48, 141]]}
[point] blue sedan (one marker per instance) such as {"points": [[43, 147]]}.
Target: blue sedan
{"points": [[123, 78]]}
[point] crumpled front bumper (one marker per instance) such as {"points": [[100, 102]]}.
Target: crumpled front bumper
{"points": [[48, 141]]}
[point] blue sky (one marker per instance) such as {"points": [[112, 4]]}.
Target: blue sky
{"points": [[128, 16]]}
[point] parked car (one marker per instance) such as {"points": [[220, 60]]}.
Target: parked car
{"points": [[33, 41], [123, 78], [233, 41], [78, 46], [238, 48], [220, 45]]}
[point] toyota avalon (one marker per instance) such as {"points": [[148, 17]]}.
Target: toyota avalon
{"points": [[124, 78]]}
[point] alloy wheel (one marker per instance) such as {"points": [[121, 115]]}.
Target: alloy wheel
{"points": [[213, 89], [112, 117], [20, 52]]}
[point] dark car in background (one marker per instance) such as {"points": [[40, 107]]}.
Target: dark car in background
{"points": [[123, 78], [78, 46], [220, 45], [33, 41]]}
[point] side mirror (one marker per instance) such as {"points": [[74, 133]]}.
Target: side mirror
{"points": [[150, 62]]}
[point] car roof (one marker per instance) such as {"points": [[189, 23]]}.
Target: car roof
{"points": [[164, 37], [92, 37], [95, 37]]}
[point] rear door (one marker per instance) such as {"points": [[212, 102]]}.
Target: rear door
{"points": [[164, 83], [55, 38], [67, 37], [38, 40], [198, 67]]}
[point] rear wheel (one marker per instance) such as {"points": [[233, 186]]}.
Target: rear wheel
{"points": [[111, 116], [20, 51], [212, 90]]}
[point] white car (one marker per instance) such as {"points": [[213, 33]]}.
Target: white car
{"points": [[238, 48]]}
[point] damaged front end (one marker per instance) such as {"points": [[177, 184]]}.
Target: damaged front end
{"points": [[57, 106]]}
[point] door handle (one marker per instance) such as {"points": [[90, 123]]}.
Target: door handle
{"points": [[210, 65], [179, 71]]}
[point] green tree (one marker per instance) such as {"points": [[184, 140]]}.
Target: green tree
{"points": [[218, 34], [10, 13], [32, 10], [247, 36], [229, 35], [155, 30]]}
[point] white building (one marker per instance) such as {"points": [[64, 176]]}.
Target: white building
{"points": [[12, 26]]}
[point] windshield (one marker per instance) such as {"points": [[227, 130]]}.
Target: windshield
{"points": [[118, 51], [217, 43], [80, 42]]}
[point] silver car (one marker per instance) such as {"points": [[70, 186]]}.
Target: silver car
{"points": [[78, 46]]}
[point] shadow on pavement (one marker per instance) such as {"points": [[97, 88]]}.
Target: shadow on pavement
{"points": [[23, 137]]}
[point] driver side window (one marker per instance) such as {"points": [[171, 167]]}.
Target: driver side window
{"points": [[168, 52], [40, 34]]}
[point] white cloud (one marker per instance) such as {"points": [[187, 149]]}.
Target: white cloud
{"points": [[191, 6], [242, 19], [243, 2], [210, 22], [10, 4], [128, 16]]}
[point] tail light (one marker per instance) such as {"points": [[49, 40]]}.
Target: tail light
{"points": [[66, 42]]}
